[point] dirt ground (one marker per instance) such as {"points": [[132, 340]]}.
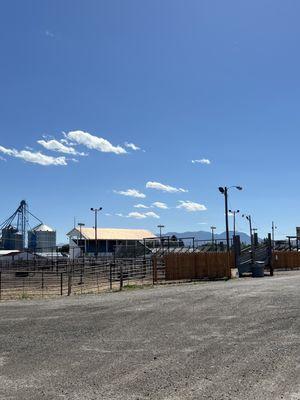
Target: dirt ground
{"points": [[238, 339]]}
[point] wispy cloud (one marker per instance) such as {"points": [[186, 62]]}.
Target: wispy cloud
{"points": [[49, 33], [161, 205], [140, 215], [94, 142], [34, 157], [164, 188], [136, 215], [140, 206], [132, 146], [2, 158], [60, 147], [191, 206], [202, 161], [131, 193]]}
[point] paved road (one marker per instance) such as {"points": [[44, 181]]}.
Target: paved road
{"points": [[223, 340]]}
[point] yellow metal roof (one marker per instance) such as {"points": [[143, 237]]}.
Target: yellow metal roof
{"points": [[112, 233]]}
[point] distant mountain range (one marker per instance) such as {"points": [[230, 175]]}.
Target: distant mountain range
{"points": [[204, 235]]}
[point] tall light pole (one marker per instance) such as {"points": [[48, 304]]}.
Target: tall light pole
{"points": [[224, 191], [248, 217], [234, 212], [160, 228], [95, 210]]}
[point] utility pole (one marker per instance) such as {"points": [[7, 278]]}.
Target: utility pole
{"points": [[273, 233], [234, 212], [95, 210]]}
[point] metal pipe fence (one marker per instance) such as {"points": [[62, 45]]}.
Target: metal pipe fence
{"points": [[74, 278]]}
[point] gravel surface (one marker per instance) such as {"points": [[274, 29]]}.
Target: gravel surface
{"points": [[218, 340]]}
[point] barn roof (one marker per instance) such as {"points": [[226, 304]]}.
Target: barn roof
{"points": [[111, 233]]}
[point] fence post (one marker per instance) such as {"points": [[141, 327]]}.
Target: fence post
{"points": [[144, 244], [61, 284], [236, 249], [110, 276], [121, 277], [154, 269], [42, 280], [69, 281]]}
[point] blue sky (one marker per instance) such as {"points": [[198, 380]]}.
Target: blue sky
{"points": [[182, 80]]}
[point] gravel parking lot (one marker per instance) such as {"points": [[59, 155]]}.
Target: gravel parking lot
{"points": [[238, 339]]}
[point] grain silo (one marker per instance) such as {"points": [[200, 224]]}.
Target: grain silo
{"points": [[12, 239], [42, 239]]}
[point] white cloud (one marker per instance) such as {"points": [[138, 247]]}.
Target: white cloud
{"points": [[132, 146], [140, 206], [2, 158], [60, 147], [202, 223], [161, 205], [152, 214], [139, 215], [94, 142], [34, 157], [131, 193], [65, 140], [136, 215], [191, 206], [202, 161], [164, 188]]}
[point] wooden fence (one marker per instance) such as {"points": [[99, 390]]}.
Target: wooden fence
{"points": [[286, 259], [190, 266]]}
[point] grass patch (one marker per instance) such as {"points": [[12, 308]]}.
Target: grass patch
{"points": [[25, 296], [134, 287]]}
